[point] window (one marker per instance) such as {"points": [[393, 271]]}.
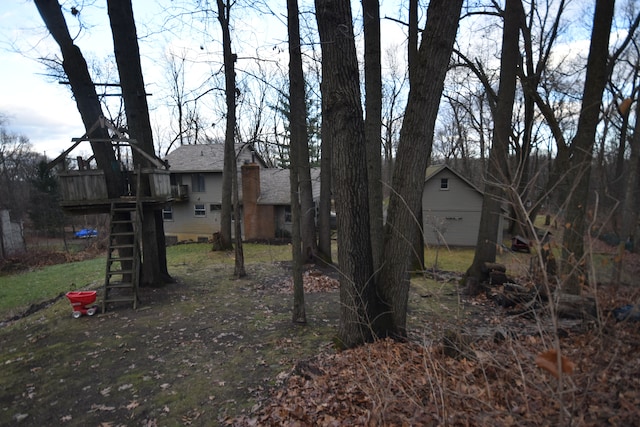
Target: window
{"points": [[444, 183], [197, 183], [213, 208], [287, 215], [167, 214], [199, 210]]}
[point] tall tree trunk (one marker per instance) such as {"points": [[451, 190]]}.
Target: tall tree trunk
{"points": [[582, 147], [299, 148], [84, 91], [239, 270], [414, 151], [343, 112], [373, 123], [417, 253], [412, 38], [497, 173], [629, 214], [229, 58], [324, 209], [309, 244], [127, 54]]}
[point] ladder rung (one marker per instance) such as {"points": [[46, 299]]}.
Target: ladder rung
{"points": [[119, 272], [129, 246], [116, 259], [119, 285], [121, 299]]}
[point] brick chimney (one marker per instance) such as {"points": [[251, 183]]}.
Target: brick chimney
{"points": [[250, 195]]}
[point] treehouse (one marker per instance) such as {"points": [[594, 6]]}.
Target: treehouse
{"points": [[85, 190]]}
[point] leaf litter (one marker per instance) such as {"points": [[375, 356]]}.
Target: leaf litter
{"points": [[210, 350]]}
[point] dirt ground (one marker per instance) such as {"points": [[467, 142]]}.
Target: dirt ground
{"points": [[195, 352], [212, 350]]}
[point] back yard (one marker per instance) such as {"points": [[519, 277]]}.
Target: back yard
{"points": [[211, 350]]}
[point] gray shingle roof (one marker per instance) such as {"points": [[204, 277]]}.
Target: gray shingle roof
{"points": [[434, 170], [275, 186], [205, 157]]}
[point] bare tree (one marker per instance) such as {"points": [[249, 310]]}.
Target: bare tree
{"points": [[342, 119], [18, 164], [183, 102], [629, 213], [87, 101], [394, 90], [125, 41], [497, 174], [299, 149], [414, 150], [373, 122], [582, 145], [229, 168]]}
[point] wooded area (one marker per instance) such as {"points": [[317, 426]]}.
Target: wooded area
{"points": [[558, 137]]}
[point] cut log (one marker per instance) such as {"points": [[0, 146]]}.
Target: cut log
{"points": [[571, 306], [511, 295], [488, 267], [497, 278]]}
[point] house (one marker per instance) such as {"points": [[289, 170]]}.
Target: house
{"points": [[196, 178], [451, 208], [196, 182]]}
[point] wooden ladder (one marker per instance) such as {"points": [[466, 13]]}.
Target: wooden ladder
{"points": [[123, 254]]}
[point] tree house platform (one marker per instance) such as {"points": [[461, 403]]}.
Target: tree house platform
{"points": [[85, 191]]}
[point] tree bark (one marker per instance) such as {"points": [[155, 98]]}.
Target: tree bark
{"points": [[414, 151], [127, 54], [629, 214], [299, 149], [497, 173], [229, 59], [341, 92], [373, 123], [417, 257], [324, 210], [582, 148]]}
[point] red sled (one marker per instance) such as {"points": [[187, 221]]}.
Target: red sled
{"points": [[81, 302]]}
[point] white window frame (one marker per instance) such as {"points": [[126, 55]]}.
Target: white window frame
{"points": [[199, 210], [167, 214]]}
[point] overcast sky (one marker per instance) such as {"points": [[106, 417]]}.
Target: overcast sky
{"points": [[44, 111], [41, 110], [36, 106]]}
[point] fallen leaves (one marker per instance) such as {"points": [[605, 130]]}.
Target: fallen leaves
{"points": [[313, 281], [549, 362], [406, 383]]}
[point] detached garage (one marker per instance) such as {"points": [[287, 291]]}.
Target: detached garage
{"points": [[451, 208]]}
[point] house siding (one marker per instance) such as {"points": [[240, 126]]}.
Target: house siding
{"points": [[185, 224], [453, 213]]}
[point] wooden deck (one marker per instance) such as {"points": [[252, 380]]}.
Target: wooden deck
{"points": [[85, 192]]}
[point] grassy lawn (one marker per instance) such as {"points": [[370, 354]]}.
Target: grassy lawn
{"points": [[18, 291]]}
